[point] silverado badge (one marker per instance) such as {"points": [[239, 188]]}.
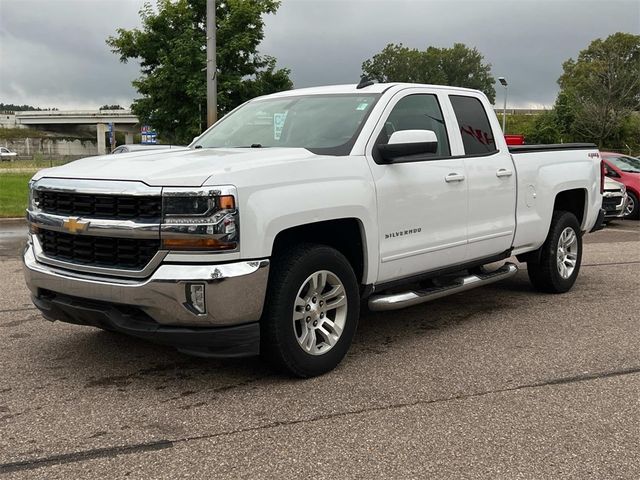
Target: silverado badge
{"points": [[74, 225]]}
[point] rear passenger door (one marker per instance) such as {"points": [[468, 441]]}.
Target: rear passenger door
{"points": [[491, 178]]}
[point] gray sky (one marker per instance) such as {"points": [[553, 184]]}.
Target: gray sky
{"points": [[53, 52]]}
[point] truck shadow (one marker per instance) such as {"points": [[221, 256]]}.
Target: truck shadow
{"points": [[111, 360]]}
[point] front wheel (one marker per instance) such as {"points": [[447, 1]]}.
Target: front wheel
{"points": [[311, 311], [632, 208], [557, 266]]}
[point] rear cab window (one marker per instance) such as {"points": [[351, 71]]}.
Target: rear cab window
{"points": [[475, 129]]}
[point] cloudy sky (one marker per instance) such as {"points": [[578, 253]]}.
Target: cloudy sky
{"points": [[53, 52]]}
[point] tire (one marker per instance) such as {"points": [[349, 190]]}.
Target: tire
{"points": [[632, 209], [291, 314], [546, 273]]}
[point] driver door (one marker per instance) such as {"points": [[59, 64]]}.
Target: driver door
{"points": [[422, 202]]}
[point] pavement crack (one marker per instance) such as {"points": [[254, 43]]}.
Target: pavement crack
{"points": [[550, 382], [111, 452], [633, 262], [84, 455]]}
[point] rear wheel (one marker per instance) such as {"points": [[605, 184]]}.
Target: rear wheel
{"points": [[557, 266], [311, 312]]}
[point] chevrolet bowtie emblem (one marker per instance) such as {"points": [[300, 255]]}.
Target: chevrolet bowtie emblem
{"points": [[74, 225]]}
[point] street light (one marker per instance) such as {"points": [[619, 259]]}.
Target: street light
{"points": [[212, 68], [503, 82]]}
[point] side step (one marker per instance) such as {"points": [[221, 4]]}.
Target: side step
{"points": [[396, 301]]}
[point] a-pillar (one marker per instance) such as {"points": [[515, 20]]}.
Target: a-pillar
{"points": [[101, 129], [128, 138]]}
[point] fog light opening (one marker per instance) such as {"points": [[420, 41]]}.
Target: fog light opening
{"points": [[195, 297]]}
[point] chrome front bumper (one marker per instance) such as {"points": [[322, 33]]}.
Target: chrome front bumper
{"points": [[621, 203], [234, 292]]}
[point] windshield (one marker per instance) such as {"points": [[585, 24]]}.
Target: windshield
{"points": [[323, 124], [626, 164]]}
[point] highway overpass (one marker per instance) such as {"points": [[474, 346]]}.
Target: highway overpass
{"points": [[123, 120]]}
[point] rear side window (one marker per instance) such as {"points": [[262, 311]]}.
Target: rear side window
{"points": [[477, 136]]}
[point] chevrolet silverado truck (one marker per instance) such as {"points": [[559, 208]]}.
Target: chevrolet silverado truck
{"points": [[271, 230]]}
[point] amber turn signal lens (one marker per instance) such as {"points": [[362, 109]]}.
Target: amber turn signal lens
{"points": [[227, 202], [196, 243]]}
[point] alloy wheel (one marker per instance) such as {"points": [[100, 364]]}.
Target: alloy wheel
{"points": [[320, 312], [567, 255]]}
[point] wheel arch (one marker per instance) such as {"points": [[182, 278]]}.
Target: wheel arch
{"points": [[347, 235], [574, 201]]}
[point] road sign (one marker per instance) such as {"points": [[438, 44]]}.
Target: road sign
{"points": [[149, 135]]}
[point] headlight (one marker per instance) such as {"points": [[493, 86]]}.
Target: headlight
{"points": [[200, 219], [623, 189]]}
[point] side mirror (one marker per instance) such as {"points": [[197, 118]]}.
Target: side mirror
{"points": [[405, 143], [611, 173]]}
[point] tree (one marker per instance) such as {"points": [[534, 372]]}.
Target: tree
{"points": [[601, 89], [111, 107], [458, 66], [171, 48], [10, 107]]}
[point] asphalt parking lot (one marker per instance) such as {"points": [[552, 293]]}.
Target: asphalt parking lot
{"points": [[499, 382]]}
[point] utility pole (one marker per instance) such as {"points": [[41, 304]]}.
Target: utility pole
{"points": [[212, 77], [503, 82]]}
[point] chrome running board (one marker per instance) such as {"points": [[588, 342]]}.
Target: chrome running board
{"points": [[396, 301]]}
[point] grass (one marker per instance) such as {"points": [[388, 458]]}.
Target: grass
{"points": [[14, 194], [37, 163]]}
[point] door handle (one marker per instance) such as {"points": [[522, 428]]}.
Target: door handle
{"points": [[503, 172], [454, 177]]}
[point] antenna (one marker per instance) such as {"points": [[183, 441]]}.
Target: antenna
{"points": [[364, 82]]}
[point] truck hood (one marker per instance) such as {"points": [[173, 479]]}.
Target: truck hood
{"points": [[175, 167]]}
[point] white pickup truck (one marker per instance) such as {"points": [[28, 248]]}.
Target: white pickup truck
{"points": [[271, 229]]}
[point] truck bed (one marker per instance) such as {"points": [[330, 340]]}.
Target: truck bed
{"points": [[550, 147]]}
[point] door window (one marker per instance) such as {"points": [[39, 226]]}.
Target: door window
{"points": [[417, 112], [475, 129]]}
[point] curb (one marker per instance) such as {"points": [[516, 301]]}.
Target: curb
{"points": [[12, 219]]}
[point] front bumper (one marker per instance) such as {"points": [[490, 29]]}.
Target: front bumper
{"points": [[234, 292], [221, 342], [614, 204]]}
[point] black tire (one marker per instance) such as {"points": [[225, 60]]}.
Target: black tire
{"points": [[289, 272], [544, 272], [635, 213]]}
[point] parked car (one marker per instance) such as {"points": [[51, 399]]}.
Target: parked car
{"points": [[514, 139], [7, 155], [139, 147], [625, 169], [265, 235], [614, 199]]}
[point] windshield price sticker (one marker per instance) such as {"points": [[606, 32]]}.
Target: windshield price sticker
{"points": [[278, 124]]}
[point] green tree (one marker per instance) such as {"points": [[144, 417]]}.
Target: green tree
{"points": [[601, 89], [458, 66], [171, 49]]}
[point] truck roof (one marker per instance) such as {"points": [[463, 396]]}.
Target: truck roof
{"points": [[351, 88]]}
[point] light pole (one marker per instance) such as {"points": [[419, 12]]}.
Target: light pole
{"points": [[503, 82], [212, 77]]}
